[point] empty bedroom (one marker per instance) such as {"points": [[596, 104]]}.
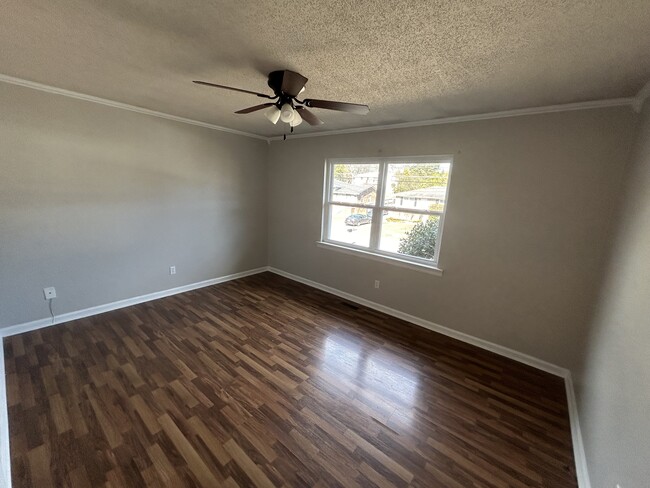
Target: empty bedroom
{"points": [[324, 244]]}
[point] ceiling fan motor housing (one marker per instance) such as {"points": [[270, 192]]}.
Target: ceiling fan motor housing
{"points": [[275, 81]]}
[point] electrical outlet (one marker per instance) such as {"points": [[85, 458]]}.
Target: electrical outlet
{"points": [[172, 270], [376, 283], [49, 293]]}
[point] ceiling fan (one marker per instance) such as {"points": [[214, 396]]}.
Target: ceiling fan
{"points": [[286, 86]]}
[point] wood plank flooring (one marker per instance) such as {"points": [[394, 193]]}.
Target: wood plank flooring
{"points": [[269, 383]]}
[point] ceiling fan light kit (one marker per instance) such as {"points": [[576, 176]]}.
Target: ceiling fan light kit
{"points": [[285, 105], [296, 120], [273, 114], [286, 113]]}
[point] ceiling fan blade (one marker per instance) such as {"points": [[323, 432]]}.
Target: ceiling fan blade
{"points": [[309, 116], [355, 108], [292, 83], [253, 109], [261, 95]]}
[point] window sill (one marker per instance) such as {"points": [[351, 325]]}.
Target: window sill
{"points": [[379, 257]]}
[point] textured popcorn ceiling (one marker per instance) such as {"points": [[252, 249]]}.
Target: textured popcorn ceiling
{"points": [[408, 60]]}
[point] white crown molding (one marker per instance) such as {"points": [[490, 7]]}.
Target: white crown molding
{"points": [[641, 97], [124, 106], [636, 103], [566, 107], [87, 312]]}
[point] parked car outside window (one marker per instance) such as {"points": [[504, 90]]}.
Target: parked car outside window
{"points": [[358, 219]]}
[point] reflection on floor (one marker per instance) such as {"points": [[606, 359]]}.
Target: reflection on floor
{"points": [[266, 382], [385, 379]]}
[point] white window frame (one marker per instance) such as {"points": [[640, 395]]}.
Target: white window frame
{"points": [[379, 207]]}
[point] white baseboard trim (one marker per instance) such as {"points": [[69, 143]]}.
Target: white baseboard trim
{"points": [[576, 436], [5, 458], [461, 336], [578, 447], [87, 312]]}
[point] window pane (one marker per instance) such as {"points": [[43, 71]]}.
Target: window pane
{"points": [[350, 225], [420, 186], [355, 183], [410, 234]]}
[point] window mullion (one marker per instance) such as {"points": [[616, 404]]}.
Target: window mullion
{"points": [[354, 205], [327, 214], [377, 213], [327, 222], [329, 179]]}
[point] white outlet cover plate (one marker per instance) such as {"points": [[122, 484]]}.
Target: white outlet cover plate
{"points": [[49, 292]]}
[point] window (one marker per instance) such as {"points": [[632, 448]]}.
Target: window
{"points": [[388, 207]]}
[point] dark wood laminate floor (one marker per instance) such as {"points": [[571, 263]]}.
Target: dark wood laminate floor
{"points": [[266, 382]]}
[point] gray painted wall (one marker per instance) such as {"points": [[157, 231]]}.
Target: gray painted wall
{"points": [[613, 382], [99, 202], [525, 235]]}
